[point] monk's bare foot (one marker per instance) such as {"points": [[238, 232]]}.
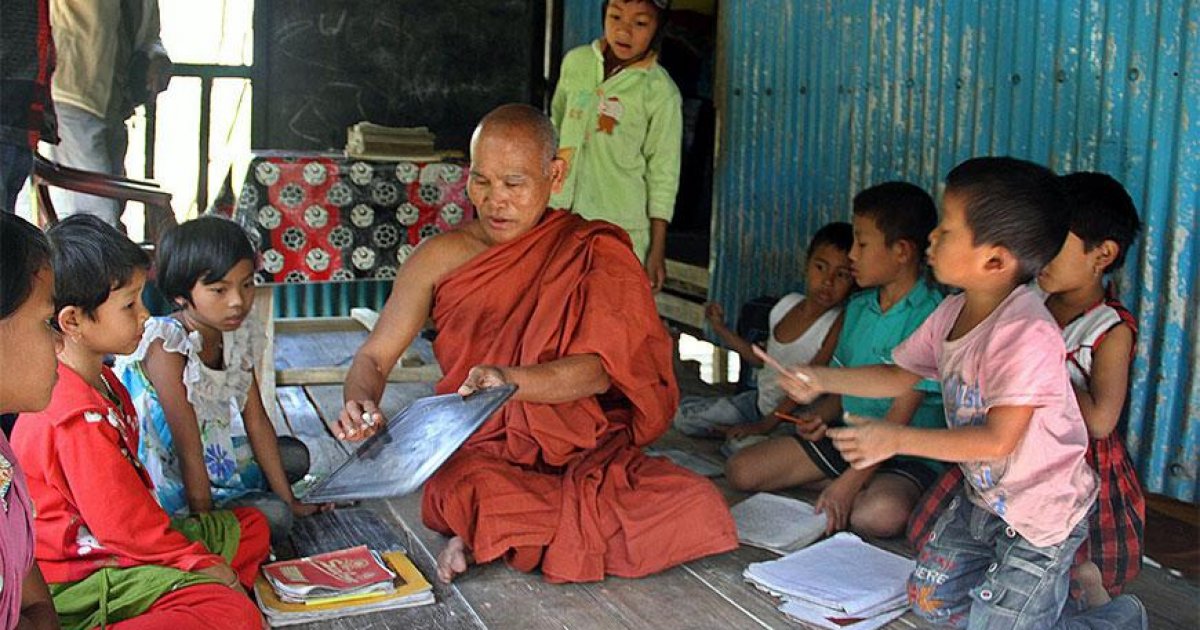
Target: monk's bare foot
{"points": [[453, 560], [1090, 580]]}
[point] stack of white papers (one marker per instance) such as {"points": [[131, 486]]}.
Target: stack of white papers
{"points": [[838, 583], [779, 524]]}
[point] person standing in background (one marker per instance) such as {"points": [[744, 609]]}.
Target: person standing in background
{"points": [[111, 60], [619, 119], [26, 110]]}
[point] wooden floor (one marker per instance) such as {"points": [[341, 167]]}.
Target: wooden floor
{"points": [[708, 593]]}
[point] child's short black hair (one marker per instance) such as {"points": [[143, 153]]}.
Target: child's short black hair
{"points": [[1100, 209], [91, 258], [203, 248], [838, 234], [1014, 204], [662, 10], [902, 211], [26, 252]]}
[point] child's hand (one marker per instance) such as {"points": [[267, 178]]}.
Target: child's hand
{"points": [[864, 442], [359, 420], [754, 428], [799, 381], [809, 426], [837, 501], [224, 574], [300, 510], [656, 270], [714, 314]]}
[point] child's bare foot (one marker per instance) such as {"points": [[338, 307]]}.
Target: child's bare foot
{"points": [[1092, 583], [453, 560]]}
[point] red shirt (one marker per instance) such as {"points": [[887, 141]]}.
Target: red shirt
{"points": [[94, 502]]}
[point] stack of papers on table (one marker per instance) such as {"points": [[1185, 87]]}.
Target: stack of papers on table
{"points": [[339, 584], [840, 582], [779, 524], [372, 141]]}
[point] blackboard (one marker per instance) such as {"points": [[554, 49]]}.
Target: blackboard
{"points": [[322, 65]]}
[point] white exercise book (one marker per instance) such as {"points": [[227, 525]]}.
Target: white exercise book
{"points": [[779, 524]]}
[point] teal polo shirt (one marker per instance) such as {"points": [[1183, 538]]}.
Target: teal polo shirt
{"points": [[868, 337]]}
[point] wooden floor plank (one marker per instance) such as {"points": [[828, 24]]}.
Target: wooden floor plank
{"points": [[505, 598], [334, 348], [325, 453]]}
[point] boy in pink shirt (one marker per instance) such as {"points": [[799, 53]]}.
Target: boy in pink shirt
{"points": [[999, 557]]}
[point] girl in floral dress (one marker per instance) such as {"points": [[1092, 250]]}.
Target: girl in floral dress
{"points": [[206, 439]]}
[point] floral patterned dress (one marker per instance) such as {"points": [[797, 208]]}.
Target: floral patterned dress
{"points": [[217, 396]]}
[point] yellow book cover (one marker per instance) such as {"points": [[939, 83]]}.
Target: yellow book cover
{"points": [[409, 584]]}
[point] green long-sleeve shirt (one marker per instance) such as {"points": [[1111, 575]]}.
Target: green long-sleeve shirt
{"points": [[621, 138]]}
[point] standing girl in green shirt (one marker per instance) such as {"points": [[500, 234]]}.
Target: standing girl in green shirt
{"points": [[620, 126]]}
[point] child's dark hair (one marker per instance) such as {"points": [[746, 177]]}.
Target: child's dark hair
{"points": [[91, 258], [205, 249], [1100, 209], [838, 234], [1014, 204], [26, 252], [663, 11], [901, 211]]}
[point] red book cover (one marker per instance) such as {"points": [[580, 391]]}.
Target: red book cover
{"points": [[344, 570]]}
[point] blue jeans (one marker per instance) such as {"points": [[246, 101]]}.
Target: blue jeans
{"points": [[977, 572], [705, 416]]}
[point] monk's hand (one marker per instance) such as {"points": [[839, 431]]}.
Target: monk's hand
{"points": [[482, 377], [358, 420], [864, 442]]}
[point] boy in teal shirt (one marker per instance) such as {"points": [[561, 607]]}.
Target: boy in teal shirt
{"points": [[892, 222], [620, 124]]}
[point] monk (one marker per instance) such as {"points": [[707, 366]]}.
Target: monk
{"points": [[559, 306]]}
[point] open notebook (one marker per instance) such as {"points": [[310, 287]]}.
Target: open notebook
{"points": [[416, 441]]}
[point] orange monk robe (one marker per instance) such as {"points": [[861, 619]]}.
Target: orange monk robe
{"points": [[567, 486]]}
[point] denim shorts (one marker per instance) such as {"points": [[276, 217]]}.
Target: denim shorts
{"points": [[977, 571]]}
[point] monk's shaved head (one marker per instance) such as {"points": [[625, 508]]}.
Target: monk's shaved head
{"points": [[520, 123]]}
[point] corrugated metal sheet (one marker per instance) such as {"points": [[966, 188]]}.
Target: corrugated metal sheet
{"points": [[819, 99], [581, 22], [329, 299]]}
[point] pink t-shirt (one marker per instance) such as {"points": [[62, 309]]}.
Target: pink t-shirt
{"points": [[1014, 357], [16, 535]]}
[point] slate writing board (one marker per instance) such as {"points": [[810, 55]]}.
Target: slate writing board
{"points": [[415, 443]]}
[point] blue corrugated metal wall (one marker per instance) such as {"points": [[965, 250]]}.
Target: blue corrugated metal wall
{"points": [[821, 99], [329, 299], [581, 22]]}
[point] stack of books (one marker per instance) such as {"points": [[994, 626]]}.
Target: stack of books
{"points": [[840, 583], [377, 142], [340, 583]]}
